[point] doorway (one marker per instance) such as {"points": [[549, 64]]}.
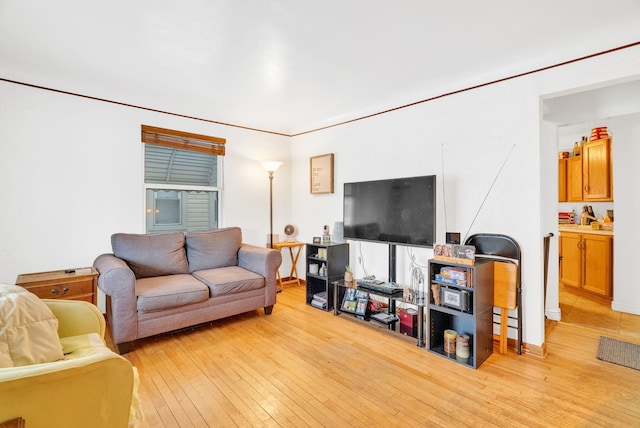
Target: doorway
{"points": [[617, 106]]}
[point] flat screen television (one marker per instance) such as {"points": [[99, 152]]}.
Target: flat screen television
{"points": [[396, 211]]}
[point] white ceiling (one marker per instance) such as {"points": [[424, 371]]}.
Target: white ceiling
{"points": [[289, 66]]}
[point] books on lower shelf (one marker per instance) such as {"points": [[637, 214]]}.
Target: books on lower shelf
{"points": [[449, 280], [320, 300], [452, 275]]}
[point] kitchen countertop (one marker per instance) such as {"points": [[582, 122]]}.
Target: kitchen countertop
{"points": [[576, 228]]}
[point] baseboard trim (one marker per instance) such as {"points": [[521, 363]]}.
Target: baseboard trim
{"points": [[623, 307], [528, 349]]}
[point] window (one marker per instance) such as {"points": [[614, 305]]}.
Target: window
{"points": [[181, 177]]}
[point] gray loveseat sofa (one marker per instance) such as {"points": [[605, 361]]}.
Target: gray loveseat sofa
{"points": [[162, 282]]}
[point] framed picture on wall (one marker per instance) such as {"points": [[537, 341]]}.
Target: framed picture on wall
{"points": [[321, 174]]}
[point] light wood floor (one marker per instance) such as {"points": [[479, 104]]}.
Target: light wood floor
{"points": [[587, 310], [304, 367]]}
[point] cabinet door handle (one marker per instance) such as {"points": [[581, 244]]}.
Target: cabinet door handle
{"points": [[64, 290]]}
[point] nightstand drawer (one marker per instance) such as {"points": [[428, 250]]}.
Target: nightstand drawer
{"points": [[63, 290], [80, 284]]}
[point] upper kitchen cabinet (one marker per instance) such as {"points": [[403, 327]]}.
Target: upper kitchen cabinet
{"points": [[562, 180], [574, 179], [588, 177], [597, 177]]}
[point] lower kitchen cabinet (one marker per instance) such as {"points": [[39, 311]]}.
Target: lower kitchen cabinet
{"points": [[586, 262]]}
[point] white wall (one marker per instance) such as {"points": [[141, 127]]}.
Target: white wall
{"points": [[626, 176], [71, 172], [475, 131]]}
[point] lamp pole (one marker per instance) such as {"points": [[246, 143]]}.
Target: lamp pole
{"points": [[271, 209], [271, 167]]}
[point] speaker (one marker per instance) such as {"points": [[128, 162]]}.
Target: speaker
{"points": [[338, 232]]}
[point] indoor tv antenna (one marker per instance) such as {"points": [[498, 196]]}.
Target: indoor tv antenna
{"points": [[489, 191]]}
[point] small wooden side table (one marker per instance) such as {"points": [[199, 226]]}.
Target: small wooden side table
{"points": [[294, 253], [73, 284]]}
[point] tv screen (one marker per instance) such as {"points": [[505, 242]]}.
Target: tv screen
{"points": [[397, 211]]}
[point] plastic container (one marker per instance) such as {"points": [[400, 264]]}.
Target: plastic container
{"points": [[450, 342]]}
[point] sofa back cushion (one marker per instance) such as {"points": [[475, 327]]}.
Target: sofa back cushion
{"points": [[151, 255], [213, 248]]}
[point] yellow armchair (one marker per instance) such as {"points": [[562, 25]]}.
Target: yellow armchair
{"points": [[91, 387]]}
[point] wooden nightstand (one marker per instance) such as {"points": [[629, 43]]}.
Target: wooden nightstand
{"points": [[81, 284]]}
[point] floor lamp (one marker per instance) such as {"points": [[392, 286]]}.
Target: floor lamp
{"points": [[271, 167]]}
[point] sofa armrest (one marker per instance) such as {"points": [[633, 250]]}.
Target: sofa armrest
{"points": [[118, 282], [116, 277], [94, 388], [76, 317], [265, 262]]}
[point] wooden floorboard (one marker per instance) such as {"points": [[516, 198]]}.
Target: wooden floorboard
{"points": [[302, 366]]}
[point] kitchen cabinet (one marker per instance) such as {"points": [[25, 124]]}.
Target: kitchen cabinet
{"points": [[587, 177], [562, 180], [586, 262], [597, 170], [574, 179], [570, 179]]}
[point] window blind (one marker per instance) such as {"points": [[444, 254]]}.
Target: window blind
{"points": [[183, 140], [172, 166]]}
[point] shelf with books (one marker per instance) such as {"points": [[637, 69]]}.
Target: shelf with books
{"points": [[325, 263], [461, 306]]}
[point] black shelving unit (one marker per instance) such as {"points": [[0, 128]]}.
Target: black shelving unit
{"points": [[474, 319], [418, 303], [336, 260]]}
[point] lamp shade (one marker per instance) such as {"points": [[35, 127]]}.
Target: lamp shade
{"points": [[271, 166]]}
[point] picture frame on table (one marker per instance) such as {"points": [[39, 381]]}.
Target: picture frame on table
{"points": [[348, 305], [362, 306], [350, 293], [360, 294]]}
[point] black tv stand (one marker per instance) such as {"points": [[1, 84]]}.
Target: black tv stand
{"points": [[339, 287], [392, 263]]}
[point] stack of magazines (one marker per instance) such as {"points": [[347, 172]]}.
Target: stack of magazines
{"points": [[320, 300]]}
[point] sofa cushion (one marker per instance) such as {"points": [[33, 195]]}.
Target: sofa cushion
{"points": [[165, 292], [213, 248], [28, 329], [230, 280], [153, 254]]}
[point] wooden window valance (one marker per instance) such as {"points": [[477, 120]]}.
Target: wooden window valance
{"points": [[183, 140]]}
